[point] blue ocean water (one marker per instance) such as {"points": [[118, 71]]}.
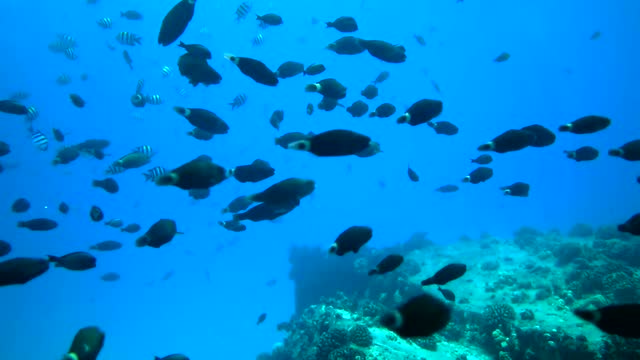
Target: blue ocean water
{"points": [[208, 308]]}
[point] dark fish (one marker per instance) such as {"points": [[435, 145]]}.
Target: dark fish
{"points": [[13, 107], [596, 35], [421, 112], [76, 261], [40, 224], [108, 245], [257, 171], [196, 50], [238, 204], [200, 134], [289, 69], [328, 104], [586, 125], [422, 316], [347, 45], [176, 21], [585, 153], [261, 318], [270, 19], [199, 173], [66, 155], [110, 277], [233, 225], [109, 185], [333, 143], [314, 69], [383, 111], [388, 264], [254, 69], [131, 228], [351, 240], [5, 149], [21, 270], [483, 159], [446, 275], [543, 136], [96, 214], [21, 205], [479, 175], [382, 77], [629, 151], [58, 135], [345, 24], [516, 189], [63, 208], [331, 88], [448, 188], [267, 211], [420, 39], [502, 57], [621, 320], [203, 119], [309, 109], [447, 294], [160, 233], [510, 140], [5, 248], [631, 226], [173, 356], [413, 176], [77, 100], [86, 344], [199, 194], [358, 109], [289, 138], [385, 51], [290, 190], [276, 119], [370, 92], [197, 70], [127, 59], [114, 223], [131, 15], [443, 127]]}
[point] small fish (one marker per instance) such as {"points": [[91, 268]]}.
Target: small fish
{"points": [[58, 135], [131, 228], [63, 79], [127, 58], [110, 46], [96, 214], [39, 224], [238, 101], [309, 109], [39, 140], [413, 176], [115, 223], [126, 38], [166, 71], [131, 15], [233, 225], [20, 206], [436, 87], [446, 274], [70, 54], [110, 277], [258, 40], [420, 39], [483, 159], [447, 294], [77, 261], [261, 318], [154, 173], [114, 169], [382, 77], [421, 316], [105, 23], [77, 100], [596, 35], [388, 264], [154, 99], [276, 119], [502, 57], [242, 11], [108, 245], [448, 188], [19, 96], [63, 208], [145, 149], [32, 114]]}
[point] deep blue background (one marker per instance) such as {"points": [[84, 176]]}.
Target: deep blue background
{"points": [[208, 308]]}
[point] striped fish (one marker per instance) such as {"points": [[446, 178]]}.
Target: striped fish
{"points": [[63, 79], [242, 11], [145, 149], [70, 53], [154, 173], [154, 99], [139, 86], [127, 38], [238, 101], [114, 169], [110, 46], [39, 140], [32, 113], [63, 42], [166, 71], [105, 23], [19, 96], [181, 91], [258, 40]]}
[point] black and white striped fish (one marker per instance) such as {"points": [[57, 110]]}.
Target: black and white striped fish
{"points": [[166, 71], [114, 169], [70, 54], [62, 43], [154, 173], [127, 38], [258, 40], [139, 86], [39, 140], [154, 99], [19, 96], [242, 11], [238, 101], [145, 149], [105, 23], [32, 113]]}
